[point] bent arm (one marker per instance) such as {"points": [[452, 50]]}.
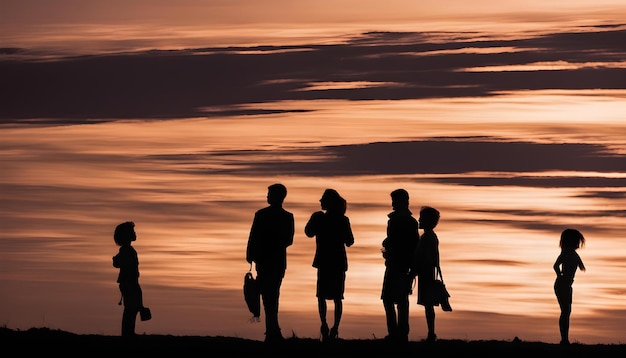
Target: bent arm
{"points": [[557, 266], [349, 238], [311, 227]]}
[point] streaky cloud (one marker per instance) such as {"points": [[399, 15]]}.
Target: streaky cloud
{"points": [[170, 84], [446, 156]]}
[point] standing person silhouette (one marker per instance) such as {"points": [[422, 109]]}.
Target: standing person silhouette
{"points": [[565, 267], [128, 278], [271, 233], [398, 248], [333, 233], [425, 266]]}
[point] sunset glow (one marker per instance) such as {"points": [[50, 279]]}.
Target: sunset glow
{"points": [[508, 118]]}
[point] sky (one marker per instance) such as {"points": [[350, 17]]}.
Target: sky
{"points": [[117, 25], [507, 116]]}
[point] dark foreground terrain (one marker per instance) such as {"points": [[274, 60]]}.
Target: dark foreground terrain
{"points": [[60, 343]]}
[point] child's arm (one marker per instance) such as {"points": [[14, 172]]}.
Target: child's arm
{"points": [[557, 265], [116, 261]]}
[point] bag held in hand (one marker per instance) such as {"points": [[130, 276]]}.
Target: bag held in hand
{"points": [[441, 293], [145, 314], [252, 295]]}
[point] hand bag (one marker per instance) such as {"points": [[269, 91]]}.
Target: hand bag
{"points": [[252, 295], [145, 314], [441, 293]]}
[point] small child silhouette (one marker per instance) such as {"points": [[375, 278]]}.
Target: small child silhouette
{"points": [[565, 267], [128, 279]]}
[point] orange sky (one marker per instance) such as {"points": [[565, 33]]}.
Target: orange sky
{"points": [[122, 24], [185, 143]]}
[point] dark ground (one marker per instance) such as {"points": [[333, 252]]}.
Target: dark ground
{"points": [[66, 344]]}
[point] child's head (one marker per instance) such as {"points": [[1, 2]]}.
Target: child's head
{"points": [[429, 217], [571, 239], [125, 233]]}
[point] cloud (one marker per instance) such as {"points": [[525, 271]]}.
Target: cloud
{"points": [[216, 81], [447, 156]]}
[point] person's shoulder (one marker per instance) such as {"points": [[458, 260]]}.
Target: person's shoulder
{"points": [[280, 212], [128, 248], [264, 210], [403, 215], [396, 217]]}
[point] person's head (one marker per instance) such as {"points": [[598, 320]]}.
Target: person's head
{"points": [[333, 202], [399, 199], [571, 239], [429, 217], [125, 233], [276, 194]]}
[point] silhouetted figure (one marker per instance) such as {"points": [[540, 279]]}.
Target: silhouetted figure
{"points": [[565, 267], [128, 278], [425, 266], [271, 233], [398, 249], [333, 233]]}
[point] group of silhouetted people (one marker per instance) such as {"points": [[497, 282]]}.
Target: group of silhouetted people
{"points": [[408, 257]]}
